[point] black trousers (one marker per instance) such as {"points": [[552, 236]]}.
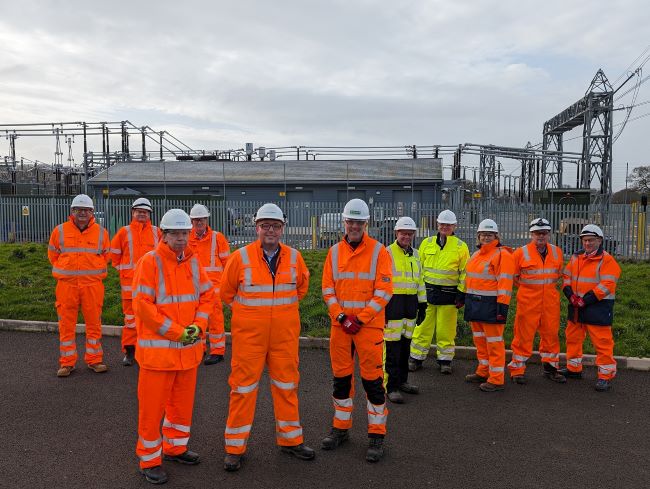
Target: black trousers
{"points": [[397, 362]]}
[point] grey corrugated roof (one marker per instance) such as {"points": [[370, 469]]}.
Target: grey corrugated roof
{"points": [[429, 169]]}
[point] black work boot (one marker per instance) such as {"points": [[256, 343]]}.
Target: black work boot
{"points": [[375, 449], [155, 475], [299, 451], [569, 374], [232, 462], [187, 457], [550, 372], [414, 364], [409, 388], [334, 439], [129, 355], [475, 378], [395, 397], [212, 359]]}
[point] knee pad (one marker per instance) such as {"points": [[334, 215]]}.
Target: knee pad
{"points": [[342, 386], [375, 390]]}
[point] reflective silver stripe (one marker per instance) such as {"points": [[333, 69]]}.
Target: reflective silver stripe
{"points": [[79, 272], [163, 298], [154, 231], [477, 334], [542, 281], [167, 323], [213, 336], [205, 287], [484, 276], [94, 351], [213, 269], [504, 292], [524, 250], [373, 264], [405, 285], [496, 369], [610, 296], [483, 362], [213, 249], [126, 288], [353, 304], [549, 355], [375, 305], [256, 288], [419, 348], [144, 290], [202, 315], [514, 364], [439, 271], [331, 300], [522, 358], [129, 239], [504, 275], [224, 254], [376, 413], [575, 361], [285, 287], [328, 290], [289, 434], [243, 252], [53, 248], [163, 344], [123, 267], [278, 301], [554, 251], [70, 353], [493, 339], [539, 271], [92, 251], [92, 341], [442, 281], [613, 278], [382, 294], [147, 458], [486, 293], [176, 442], [245, 389], [283, 385], [129, 325], [66, 343], [603, 289], [234, 442], [285, 424], [150, 444], [336, 275], [179, 427], [342, 415], [344, 403], [392, 335], [238, 431], [607, 369]]}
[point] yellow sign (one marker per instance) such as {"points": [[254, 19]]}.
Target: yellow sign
{"points": [[105, 192], [283, 194], [477, 195], [26, 210]]}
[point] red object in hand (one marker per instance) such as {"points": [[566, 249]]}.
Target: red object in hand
{"points": [[501, 317], [577, 301], [351, 325]]}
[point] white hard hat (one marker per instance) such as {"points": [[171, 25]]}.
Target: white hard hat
{"points": [[82, 200], [270, 211], [405, 224], [175, 219], [488, 226], [356, 209], [540, 224], [199, 211], [591, 230], [447, 217], [142, 203]]}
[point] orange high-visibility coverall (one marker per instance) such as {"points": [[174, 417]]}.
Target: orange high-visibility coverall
{"points": [[168, 295], [79, 260], [127, 247], [538, 306], [489, 289], [213, 251], [594, 279], [358, 282], [265, 327]]}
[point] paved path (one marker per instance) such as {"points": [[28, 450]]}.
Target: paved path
{"points": [[80, 432]]}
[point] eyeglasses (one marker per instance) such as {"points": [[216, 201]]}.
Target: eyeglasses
{"points": [[275, 226]]}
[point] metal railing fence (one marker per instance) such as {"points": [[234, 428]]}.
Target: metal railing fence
{"points": [[317, 225]]}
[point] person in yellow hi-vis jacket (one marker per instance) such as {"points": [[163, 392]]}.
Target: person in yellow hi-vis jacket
{"points": [[409, 299], [443, 258]]}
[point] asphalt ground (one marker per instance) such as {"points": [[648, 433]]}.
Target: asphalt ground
{"points": [[80, 432]]}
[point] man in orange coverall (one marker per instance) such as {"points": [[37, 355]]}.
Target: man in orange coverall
{"points": [[590, 280], [538, 266], [78, 252], [489, 290], [213, 251], [357, 286], [127, 247], [172, 300], [263, 283]]}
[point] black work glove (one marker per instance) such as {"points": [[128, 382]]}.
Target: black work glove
{"points": [[460, 299], [422, 313]]}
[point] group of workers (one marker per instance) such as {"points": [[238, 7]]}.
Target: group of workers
{"points": [[386, 306]]}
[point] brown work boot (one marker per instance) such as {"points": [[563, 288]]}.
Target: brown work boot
{"points": [[65, 371], [518, 379], [490, 387], [475, 378], [551, 373], [98, 367]]}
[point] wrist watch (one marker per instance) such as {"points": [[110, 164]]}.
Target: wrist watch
{"points": [[340, 317]]}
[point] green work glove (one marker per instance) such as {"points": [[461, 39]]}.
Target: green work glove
{"points": [[194, 331], [186, 337]]}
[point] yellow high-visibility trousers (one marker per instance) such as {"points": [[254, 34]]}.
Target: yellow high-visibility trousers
{"points": [[439, 324]]}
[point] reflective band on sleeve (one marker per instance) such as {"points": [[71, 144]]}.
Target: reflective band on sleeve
{"points": [[613, 278], [504, 292], [202, 315], [239, 430], [328, 290], [375, 305], [167, 323], [331, 300], [126, 288], [603, 289], [205, 287], [283, 385], [145, 290], [576, 362], [179, 427], [382, 294], [504, 275], [245, 389]]}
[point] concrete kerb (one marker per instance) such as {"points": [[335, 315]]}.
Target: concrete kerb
{"points": [[464, 352]]}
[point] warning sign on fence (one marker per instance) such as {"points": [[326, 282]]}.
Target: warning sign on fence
{"points": [[26, 210]]}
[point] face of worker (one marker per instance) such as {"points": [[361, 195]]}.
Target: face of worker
{"points": [[540, 238], [485, 237], [81, 216], [446, 229], [200, 225], [141, 215], [269, 232], [591, 243], [405, 238], [176, 239], [354, 229]]}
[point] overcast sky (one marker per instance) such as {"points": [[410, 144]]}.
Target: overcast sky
{"points": [[356, 72]]}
